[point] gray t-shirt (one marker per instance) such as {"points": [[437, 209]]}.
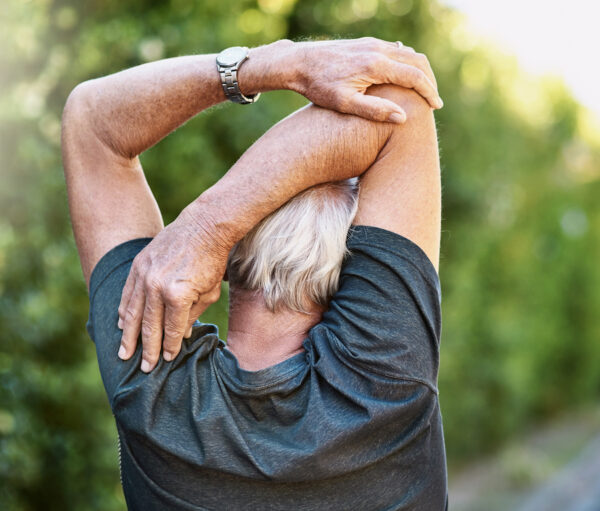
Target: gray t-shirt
{"points": [[352, 423]]}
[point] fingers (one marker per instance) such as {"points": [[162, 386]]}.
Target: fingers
{"points": [[131, 319], [200, 306], [152, 311], [421, 61], [197, 309], [152, 329], [376, 108], [176, 325], [126, 296], [180, 316], [413, 78], [407, 55]]}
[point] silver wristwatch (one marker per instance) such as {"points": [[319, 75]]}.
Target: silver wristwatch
{"points": [[228, 63]]}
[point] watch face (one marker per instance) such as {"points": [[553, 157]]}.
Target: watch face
{"points": [[231, 56]]}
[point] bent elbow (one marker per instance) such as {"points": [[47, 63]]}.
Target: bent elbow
{"points": [[75, 128], [82, 126], [78, 106]]}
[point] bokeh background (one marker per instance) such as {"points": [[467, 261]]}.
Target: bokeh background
{"points": [[520, 245]]}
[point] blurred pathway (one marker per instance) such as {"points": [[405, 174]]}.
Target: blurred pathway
{"points": [[556, 467], [575, 488]]}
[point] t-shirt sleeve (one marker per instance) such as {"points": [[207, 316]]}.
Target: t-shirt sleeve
{"points": [[106, 285], [386, 315]]}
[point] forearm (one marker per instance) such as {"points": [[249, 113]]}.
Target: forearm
{"points": [[132, 110], [180, 270], [311, 146]]}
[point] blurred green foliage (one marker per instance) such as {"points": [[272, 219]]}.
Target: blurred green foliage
{"points": [[521, 226]]}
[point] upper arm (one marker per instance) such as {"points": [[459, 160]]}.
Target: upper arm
{"points": [[401, 191], [109, 199], [106, 288], [386, 313]]}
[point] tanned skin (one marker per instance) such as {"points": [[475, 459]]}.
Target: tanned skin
{"points": [[399, 191], [108, 122]]}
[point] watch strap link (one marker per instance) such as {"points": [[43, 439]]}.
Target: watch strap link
{"points": [[231, 87]]}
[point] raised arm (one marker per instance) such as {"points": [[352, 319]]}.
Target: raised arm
{"points": [[109, 121], [400, 192]]}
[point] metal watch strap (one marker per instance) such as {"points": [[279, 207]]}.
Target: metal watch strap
{"points": [[232, 88], [229, 80]]}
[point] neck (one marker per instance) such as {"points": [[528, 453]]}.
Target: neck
{"points": [[260, 338]]}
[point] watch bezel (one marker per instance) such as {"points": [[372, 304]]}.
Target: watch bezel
{"points": [[233, 56]]}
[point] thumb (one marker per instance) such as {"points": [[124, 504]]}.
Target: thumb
{"points": [[197, 309], [199, 306], [375, 108]]}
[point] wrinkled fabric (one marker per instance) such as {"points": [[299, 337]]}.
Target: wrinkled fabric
{"points": [[353, 422]]}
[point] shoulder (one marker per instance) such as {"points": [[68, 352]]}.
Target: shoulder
{"points": [[386, 314]]}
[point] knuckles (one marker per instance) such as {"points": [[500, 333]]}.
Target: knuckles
{"points": [[130, 315], [216, 292], [152, 283], [174, 295], [138, 265], [171, 293], [173, 333], [376, 63], [148, 329], [422, 62], [415, 76]]}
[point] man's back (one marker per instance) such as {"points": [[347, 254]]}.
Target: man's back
{"points": [[353, 422]]}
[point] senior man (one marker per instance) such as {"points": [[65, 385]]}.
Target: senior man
{"points": [[324, 396]]}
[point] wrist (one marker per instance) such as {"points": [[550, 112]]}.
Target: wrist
{"points": [[207, 230], [269, 67], [211, 222]]}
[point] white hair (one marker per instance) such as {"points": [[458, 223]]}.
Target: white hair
{"points": [[293, 256]]}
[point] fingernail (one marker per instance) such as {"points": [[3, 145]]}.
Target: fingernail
{"points": [[439, 102], [168, 356], [145, 366], [122, 352], [397, 118], [120, 324]]}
